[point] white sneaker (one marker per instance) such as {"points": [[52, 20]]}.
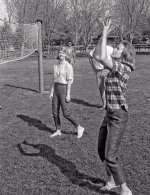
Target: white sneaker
{"points": [[58, 132], [126, 192], [80, 131], [129, 193], [109, 186]]}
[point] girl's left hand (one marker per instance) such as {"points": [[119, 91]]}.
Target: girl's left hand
{"points": [[68, 99]]}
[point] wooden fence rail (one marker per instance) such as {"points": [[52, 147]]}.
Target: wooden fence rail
{"points": [[142, 48]]}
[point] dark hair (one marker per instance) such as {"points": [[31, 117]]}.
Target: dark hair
{"points": [[128, 53]]}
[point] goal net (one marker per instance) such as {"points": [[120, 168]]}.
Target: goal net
{"points": [[17, 41]]}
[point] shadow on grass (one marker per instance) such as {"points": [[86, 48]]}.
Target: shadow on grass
{"points": [[66, 167], [77, 101], [18, 87], [38, 124]]}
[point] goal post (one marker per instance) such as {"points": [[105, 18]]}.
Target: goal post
{"points": [[18, 41]]}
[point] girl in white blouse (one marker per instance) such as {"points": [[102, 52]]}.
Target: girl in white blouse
{"points": [[60, 93]]}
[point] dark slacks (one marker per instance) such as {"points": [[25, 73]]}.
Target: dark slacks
{"points": [[110, 137], [59, 101]]}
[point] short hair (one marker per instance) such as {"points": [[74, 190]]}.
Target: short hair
{"points": [[63, 49], [128, 53]]}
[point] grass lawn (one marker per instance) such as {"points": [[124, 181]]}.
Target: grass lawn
{"points": [[32, 163]]}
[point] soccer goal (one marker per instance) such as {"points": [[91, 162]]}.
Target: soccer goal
{"points": [[18, 41]]}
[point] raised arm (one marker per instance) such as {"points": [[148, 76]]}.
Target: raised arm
{"points": [[100, 52]]}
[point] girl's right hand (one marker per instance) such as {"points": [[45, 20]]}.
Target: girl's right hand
{"points": [[51, 96], [68, 99]]}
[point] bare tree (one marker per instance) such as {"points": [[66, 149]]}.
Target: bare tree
{"points": [[16, 10], [51, 15], [23, 11], [77, 19], [82, 16], [11, 10], [27, 11], [131, 14]]}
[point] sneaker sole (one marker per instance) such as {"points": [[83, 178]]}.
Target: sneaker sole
{"points": [[79, 136]]}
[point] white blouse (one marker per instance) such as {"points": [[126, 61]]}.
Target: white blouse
{"points": [[63, 73], [98, 65]]}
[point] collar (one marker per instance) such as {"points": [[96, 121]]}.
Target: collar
{"points": [[131, 65], [62, 63]]}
